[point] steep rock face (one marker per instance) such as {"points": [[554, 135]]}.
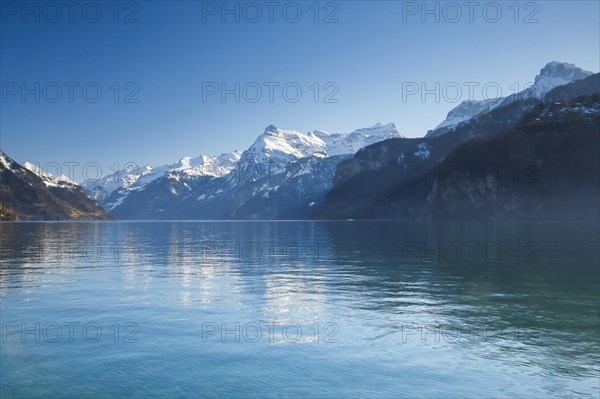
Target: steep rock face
{"points": [[27, 193]]}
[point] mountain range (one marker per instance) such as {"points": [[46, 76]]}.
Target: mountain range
{"points": [[528, 158], [283, 174], [369, 173]]}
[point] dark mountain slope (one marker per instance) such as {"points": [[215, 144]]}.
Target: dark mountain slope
{"points": [[382, 182], [547, 168], [26, 196]]}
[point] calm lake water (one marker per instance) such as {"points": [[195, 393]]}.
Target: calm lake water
{"points": [[300, 309]]}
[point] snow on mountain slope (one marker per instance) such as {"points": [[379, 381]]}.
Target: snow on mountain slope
{"points": [[271, 153], [552, 75], [277, 147], [29, 193], [4, 160], [127, 179], [340, 144], [117, 186], [49, 179], [206, 165], [466, 110]]}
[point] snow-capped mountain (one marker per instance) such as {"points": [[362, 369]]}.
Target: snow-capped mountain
{"points": [[465, 111], [206, 165], [111, 190], [277, 147], [552, 75], [6, 162], [28, 193], [341, 144], [286, 174], [271, 153], [49, 179], [226, 185], [544, 152]]}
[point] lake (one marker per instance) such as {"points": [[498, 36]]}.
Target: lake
{"points": [[300, 309]]}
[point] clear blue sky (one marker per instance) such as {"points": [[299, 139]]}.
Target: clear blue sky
{"points": [[170, 51]]}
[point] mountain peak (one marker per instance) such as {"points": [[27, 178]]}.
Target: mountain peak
{"points": [[185, 161], [553, 74], [389, 129], [271, 129], [386, 126], [562, 70]]}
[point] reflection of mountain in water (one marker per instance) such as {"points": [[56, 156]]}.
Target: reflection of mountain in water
{"points": [[380, 277]]}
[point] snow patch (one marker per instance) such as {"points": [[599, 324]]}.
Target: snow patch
{"points": [[422, 151], [49, 179], [5, 160]]}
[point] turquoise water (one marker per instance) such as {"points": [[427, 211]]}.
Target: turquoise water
{"points": [[299, 309]]}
